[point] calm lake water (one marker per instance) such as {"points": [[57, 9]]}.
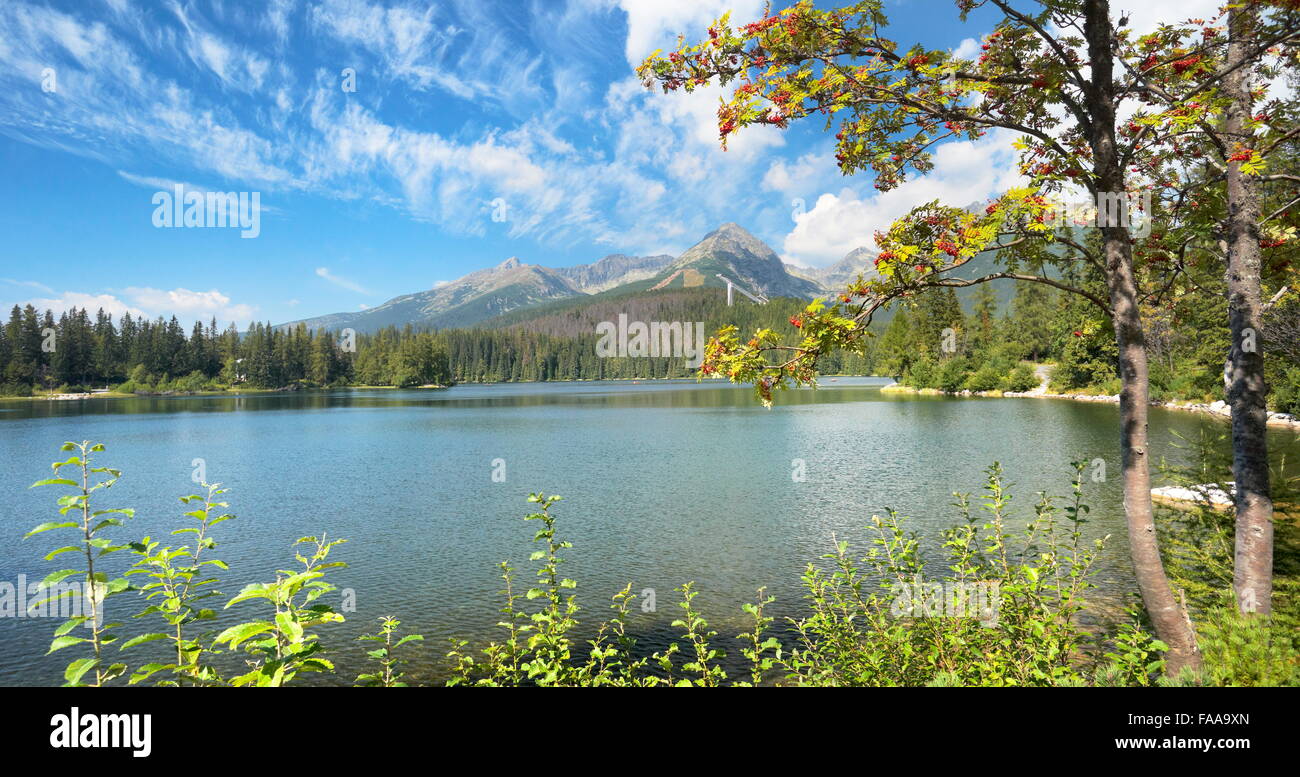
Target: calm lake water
{"points": [[664, 483]]}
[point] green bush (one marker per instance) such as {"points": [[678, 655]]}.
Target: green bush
{"points": [[1285, 391], [1021, 378], [921, 374], [952, 375], [986, 378], [1088, 359], [15, 390]]}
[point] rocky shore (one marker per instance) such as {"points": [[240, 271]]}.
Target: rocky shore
{"points": [[1217, 408]]}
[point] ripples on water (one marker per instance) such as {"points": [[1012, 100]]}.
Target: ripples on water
{"points": [[663, 483]]}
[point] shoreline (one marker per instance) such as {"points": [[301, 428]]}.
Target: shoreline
{"points": [[52, 397], [1218, 408]]}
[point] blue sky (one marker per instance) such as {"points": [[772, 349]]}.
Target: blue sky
{"points": [[461, 109]]}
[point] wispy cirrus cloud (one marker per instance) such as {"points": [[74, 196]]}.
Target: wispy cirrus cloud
{"points": [[530, 95], [169, 185], [28, 284], [463, 111], [341, 282]]}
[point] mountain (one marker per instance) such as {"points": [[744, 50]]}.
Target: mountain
{"points": [[835, 277], [732, 251], [513, 291], [464, 302], [613, 270]]}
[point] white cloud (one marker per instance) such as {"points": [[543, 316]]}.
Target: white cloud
{"points": [[655, 24], [92, 302], [183, 303], [147, 89], [964, 172], [470, 56], [800, 175], [969, 48], [188, 306], [235, 66]]}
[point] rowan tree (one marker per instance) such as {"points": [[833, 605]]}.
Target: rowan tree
{"points": [[1202, 84], [1052, 74]]}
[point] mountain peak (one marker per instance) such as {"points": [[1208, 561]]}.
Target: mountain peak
{"points": [[734, 253], [510, 263], [731, 229]]}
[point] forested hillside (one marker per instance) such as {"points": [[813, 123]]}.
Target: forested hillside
{"points": [[989, 347], [83, 351]]}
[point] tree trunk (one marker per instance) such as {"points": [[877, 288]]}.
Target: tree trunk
{"points": [[1167, 616], [1252, 577]]}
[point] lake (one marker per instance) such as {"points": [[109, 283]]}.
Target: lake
{"points": [[663, 483]]}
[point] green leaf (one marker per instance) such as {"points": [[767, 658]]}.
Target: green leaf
{"points": [[238, 634], [65, 549], [57, 577], [252, 591], [51, 525], [70, 624], [289, 626], [142, 639], [144, 672], [77, 669], [61, 642], [53, 482]]}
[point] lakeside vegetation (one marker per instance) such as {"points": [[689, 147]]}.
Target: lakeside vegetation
{"points": [[989, 348], [1006, 611], [133, 355], [1187, 340]]}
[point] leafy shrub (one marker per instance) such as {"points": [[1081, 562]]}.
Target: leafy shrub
{"points": [[921, 374], [855, 634], [1021, 378], [280, 648], [1089, 358], [986, 378], [872, 621], [952, 375], [1285, 391]]}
